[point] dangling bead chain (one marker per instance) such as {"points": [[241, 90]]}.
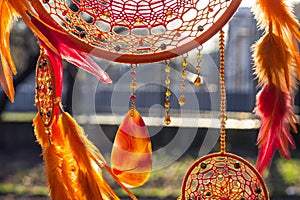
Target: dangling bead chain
{"points": [[223, 116], [168, 93], [183, 75], [198, 79], [133, 86]]}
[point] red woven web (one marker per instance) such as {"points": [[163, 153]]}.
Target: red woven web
{"points": [[140, 27], [127, 13], [223, 177]]}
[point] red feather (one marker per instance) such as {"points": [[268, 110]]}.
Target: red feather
{"points": [[68, 50], [274, 108]]}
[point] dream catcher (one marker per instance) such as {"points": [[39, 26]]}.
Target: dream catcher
{"points": [[223, 175], [135, 32]]}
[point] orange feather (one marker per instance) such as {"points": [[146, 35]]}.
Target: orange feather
{"points": [[9, 12], [54, 153], [53, 156], [284, 25], [25, 9], [276, 58], [90, 181], [271, 59], [40, 132], [7, 66]]}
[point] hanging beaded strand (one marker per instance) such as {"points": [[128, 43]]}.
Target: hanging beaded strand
{"points": [[183, 76], [168, 93], [198, 79], [223, 116], [133, 86]]}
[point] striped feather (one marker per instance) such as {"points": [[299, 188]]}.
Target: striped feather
{"points": [[90, 181]]}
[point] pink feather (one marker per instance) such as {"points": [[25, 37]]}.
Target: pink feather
{"points": [[68, 50], [274, 108]]}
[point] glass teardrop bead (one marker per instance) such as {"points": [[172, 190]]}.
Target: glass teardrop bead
{"points": [[131, 157]]}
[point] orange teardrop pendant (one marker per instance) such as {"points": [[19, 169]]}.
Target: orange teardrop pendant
{"points": [[131, 158]]}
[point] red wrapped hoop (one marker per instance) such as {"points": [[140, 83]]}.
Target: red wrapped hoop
{"points": [[135, 31], [223, 176]]}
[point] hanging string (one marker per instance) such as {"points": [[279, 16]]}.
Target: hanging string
{"points": [[198, 79], [223, 116], [168, 93], [185, 63], [133, 86]]}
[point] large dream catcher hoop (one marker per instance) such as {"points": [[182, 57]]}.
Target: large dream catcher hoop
{"points": [[145, 31], [137, 31]]}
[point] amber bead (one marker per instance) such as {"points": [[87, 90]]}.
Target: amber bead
{"points": [[167, 119], [181, 100], [167, 105], [197, 81], [185, 63], [168, 93], [133, 85]]}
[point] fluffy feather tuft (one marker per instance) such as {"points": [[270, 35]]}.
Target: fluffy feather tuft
{"points": [[90, 181], [276, 59], [278, 14], [274, 109], [53, 156], [40, 132], [59, 176], [272, 59]]}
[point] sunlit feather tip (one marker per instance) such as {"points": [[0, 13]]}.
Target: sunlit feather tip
{"points": [[7, 67], [274, 108], [91, 183]]}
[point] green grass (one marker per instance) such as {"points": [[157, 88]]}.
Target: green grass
{"points": [[289, 170], [20, 189], [290, 174], [163, 183], [17, 117]]}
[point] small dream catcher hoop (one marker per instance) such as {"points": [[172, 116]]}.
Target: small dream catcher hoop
{"points": [[223, 175]]}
